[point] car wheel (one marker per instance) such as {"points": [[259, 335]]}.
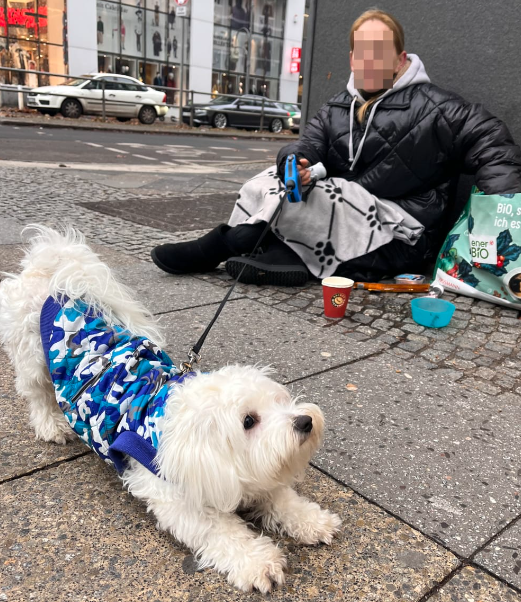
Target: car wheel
{"points": [[276, 126], [147, 115], [220, 121], [71, 108], [123, 119]]}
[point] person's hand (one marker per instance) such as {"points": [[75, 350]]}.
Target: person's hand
{"points": [[303, 172]]}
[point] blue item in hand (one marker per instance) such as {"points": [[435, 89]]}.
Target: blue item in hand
{"points": [[292, 180]]}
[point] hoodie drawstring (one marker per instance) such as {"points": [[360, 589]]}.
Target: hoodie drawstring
{"points": [[354, 159]]}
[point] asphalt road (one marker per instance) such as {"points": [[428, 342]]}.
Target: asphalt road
{"points": [[127, 148]]}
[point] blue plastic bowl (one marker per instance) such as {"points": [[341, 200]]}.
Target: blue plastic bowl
{"points": [[432, 312]]}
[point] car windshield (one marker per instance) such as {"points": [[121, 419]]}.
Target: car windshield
{"points": [[290, 107], [74, 82], [222, 100]]}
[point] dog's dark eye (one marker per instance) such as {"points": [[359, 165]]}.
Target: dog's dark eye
{"points": [[249, 422]]}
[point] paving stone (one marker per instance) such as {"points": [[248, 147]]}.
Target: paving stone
{"points": [[382, 324], [460, 364], [442, 457], [474, 585], [415, 328], [412, 346], [362, 318], [434, 355], [482, 311], [73, 534], [367, 330], [485, 373], [501, 348], [486, 387]]}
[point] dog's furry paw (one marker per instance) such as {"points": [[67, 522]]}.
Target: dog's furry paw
{"points": [[54, 430], [319, 528], [261, 570]]}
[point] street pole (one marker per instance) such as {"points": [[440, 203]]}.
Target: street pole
{"points": [[248, 63], [182, 69]]}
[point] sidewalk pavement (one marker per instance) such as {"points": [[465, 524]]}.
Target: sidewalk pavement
{"points": [[32, 118], [421, 451]]}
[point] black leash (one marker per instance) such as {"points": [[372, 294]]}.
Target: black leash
{"points": [[194, 355]]}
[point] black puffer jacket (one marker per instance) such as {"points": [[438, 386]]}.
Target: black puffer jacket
{"points": [[419, 139]]}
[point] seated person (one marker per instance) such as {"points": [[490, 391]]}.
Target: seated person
{"points": [[392, 144]]}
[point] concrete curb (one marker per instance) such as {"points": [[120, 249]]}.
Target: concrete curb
{"points": [[109, 127]]}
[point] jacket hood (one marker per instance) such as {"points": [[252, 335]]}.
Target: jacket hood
{"points": [[414, 74]]}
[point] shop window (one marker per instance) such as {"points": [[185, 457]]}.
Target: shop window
{"points": [[52, 21], [109, 27], [156, 31], [5, 61], [133, 42]]}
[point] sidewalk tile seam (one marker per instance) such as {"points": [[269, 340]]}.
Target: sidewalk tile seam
{"points": [[45, 467]]}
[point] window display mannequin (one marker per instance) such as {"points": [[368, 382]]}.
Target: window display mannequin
{"points": [[5, 61], [32, 78], [170, 83], [156, 13], [157, 43], [20, 59], [138, 33], [158, 80], [101, 29], [240, 17], [139, 12], [174, 46], [171, 18], [122, 31]]}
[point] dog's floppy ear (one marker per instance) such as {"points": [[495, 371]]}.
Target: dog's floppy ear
{"points": [[198, 458]]}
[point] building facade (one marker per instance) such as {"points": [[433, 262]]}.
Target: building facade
{"points": [[33, 35], [224, 46]]}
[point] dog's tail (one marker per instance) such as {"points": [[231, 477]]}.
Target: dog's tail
{"points": [[73, 269]]}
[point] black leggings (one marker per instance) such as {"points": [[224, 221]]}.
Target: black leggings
{"points": [[387, 261]]}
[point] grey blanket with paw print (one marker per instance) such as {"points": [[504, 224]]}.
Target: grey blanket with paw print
{"points": [[340, 220]]}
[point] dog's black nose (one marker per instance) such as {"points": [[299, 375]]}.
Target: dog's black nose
{"points": [[303, 423]]}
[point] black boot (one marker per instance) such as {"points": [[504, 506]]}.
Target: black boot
{"points": [[206, 253], [195, 256], [277, 265]]}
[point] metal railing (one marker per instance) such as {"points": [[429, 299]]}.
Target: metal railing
{"points": [[267, 112]]}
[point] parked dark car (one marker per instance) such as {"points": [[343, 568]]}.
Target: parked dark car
{"points": [[294, 111], [243, 112]]}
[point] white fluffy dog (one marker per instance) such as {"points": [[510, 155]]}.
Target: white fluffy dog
{"points": [[229, 440]]}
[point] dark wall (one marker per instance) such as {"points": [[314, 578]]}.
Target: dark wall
{"points": [[472, 47]]}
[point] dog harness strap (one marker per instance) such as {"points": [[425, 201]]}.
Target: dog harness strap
{"points": [[131, 444], [196, 349]]}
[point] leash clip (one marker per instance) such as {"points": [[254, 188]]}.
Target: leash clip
{"points": [[193, 358]]}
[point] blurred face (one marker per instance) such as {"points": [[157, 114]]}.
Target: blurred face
{"points": [[374, 60]]}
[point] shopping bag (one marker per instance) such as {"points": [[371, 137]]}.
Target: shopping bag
{"points": [[481, 256]]}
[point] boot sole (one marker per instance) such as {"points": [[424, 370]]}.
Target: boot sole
{"points": [[274, 275], [162, 266]]}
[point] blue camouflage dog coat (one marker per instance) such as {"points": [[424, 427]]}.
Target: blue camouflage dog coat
{"points": [[110, 384]]}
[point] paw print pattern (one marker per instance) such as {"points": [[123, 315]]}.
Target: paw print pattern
{"points": [[276, 190], [325, 252], [334, 192], [372, 218]]}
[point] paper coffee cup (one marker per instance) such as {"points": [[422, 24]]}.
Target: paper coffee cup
{"points": [[336, 291]]}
